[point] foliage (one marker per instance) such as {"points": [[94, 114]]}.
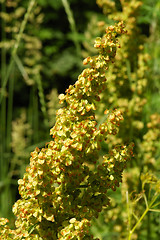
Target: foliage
{"points": [[127, 85]]}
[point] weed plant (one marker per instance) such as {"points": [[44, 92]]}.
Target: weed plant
{"points": [[65, 185], [133, 87], [127, 90]]}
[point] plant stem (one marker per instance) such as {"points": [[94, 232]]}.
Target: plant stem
{"points": [[10, 112], [138, 222], [128, 211], [143, 215], [42, 98], [72, 25], [3, 163]]}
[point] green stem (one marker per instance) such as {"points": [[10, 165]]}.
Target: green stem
{"points": [[42, 99], [135, 226], [3, 73], [3, 163], [10, 111], [143, 215], [128, 212], [72, 25], [155, 205], [21, 68]]}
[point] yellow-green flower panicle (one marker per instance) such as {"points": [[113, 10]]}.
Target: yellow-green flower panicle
{"points": [[60, 192]]}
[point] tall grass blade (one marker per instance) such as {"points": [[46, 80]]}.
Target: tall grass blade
{"points": [[72, 25]]}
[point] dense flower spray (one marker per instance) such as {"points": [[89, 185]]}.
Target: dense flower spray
{"points": [[65, 185]]}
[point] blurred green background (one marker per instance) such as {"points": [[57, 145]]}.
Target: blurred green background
{"points": [[42, 45]]}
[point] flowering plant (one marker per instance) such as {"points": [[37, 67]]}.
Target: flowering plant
{"points": [[66, 185]]}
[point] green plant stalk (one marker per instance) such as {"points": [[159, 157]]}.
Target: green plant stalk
{"points": [[3, 72], [8, 197], [33, 114], [3, 164], [42, 99], [145, 198], [10, 109], [155, 210], [21, 68], [133, 229], [143, 215], [128, 211], [155, 205], [16, 46], [72, 25]]}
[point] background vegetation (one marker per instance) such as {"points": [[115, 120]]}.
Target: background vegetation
{"points": [[42, 45]]}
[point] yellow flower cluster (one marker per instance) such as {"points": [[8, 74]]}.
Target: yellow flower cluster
{"points": [[60, 193]]}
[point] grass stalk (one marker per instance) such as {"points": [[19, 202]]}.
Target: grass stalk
{"points": [[42, 98], [3, 164], [72, 25], [33, 117], [21, 68], [10, 111]]}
